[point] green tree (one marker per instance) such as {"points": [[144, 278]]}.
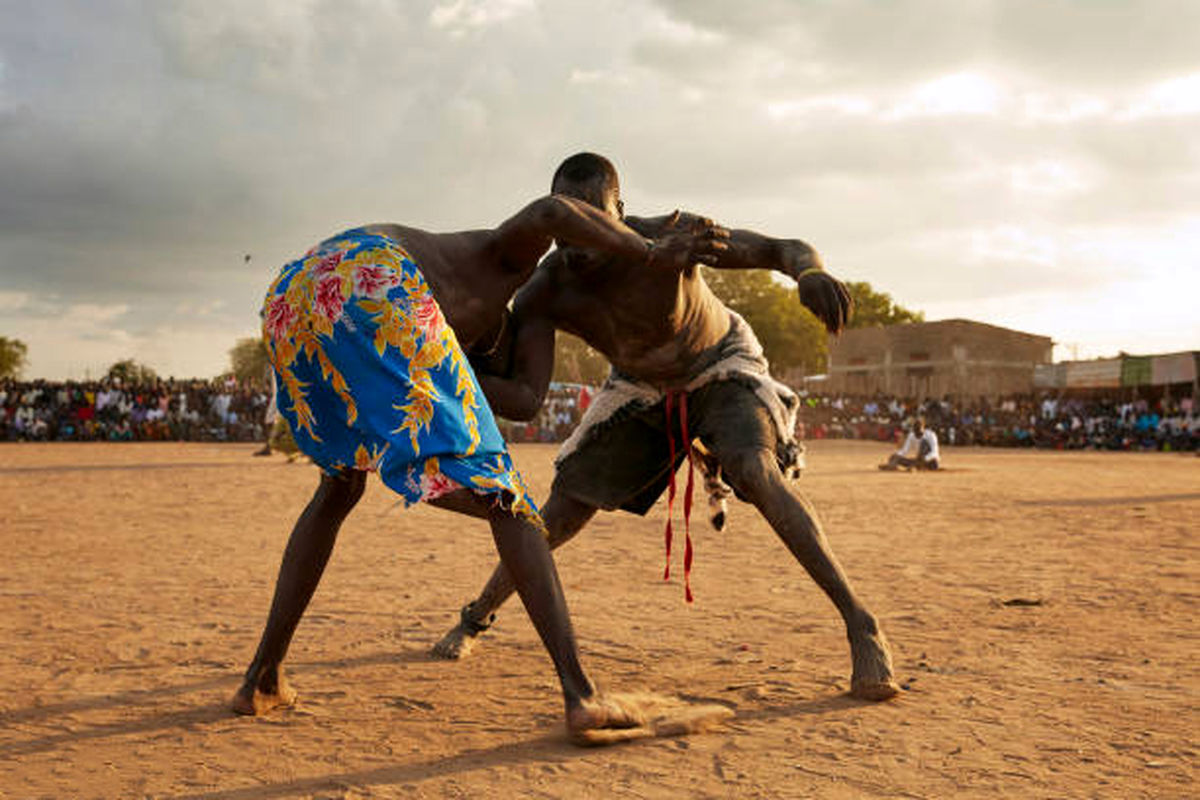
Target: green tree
{"points": [[874, 309], [13, 357], [791, 336], [576, 362], [131, 373], [248, 360]]}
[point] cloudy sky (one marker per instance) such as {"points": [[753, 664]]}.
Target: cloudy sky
{"points": [[1029, 163]]}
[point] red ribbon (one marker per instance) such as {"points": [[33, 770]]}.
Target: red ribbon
{"points": [[687, 492]]}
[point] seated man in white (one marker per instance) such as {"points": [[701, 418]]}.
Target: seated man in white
{"points": [[919, 451]]}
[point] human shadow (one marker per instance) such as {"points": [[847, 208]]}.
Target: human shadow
{"points": [[824, 704], [186, 719], [548, 747], [135, 697]]}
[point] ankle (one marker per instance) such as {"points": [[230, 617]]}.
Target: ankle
{"points": [[473, 622], [575, 693], [861, 623]]}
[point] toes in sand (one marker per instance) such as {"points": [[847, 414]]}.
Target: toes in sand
{"points": [[872, 679], [456, 644], [252, 701], [609, 719]]}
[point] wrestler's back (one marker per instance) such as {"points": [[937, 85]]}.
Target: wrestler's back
{"points": [[470, 284], [651, 324]]}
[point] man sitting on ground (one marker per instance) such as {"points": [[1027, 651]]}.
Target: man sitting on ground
{"points": [[919, 451]]}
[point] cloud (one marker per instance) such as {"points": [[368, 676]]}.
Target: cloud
{"points": [[963, 93], [950, 153], [462, 15], [862, 42], [78, 340], [13, 301], [1175, 97]]}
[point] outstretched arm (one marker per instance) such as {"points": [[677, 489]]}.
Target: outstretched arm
{"points": [[820, 292]]}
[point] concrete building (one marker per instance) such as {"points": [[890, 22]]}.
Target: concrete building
{"points": [[932, 359], [1172, 372]]}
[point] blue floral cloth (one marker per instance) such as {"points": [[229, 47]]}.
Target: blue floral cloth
{"points": [[370, 376]]}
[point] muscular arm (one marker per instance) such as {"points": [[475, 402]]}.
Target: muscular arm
{"points": [[744, 249], [523, 238], [516, 375], [527, 235], [822, 294]]}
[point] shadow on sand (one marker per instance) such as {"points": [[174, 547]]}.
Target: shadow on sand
{"points": [[549, 747], [175, 719]]}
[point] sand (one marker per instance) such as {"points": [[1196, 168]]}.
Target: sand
{"points": [[1041, 607]]}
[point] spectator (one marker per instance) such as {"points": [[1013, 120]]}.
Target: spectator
{"points": [[919, 451], [228, 410]]}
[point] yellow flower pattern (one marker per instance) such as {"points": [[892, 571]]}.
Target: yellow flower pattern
{"points": [[371, 377]]}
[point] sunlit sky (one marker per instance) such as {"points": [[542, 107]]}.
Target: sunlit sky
{"points": [[1028, 163]]}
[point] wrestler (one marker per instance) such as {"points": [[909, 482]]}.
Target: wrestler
{"points": [[684, 367], [366, 334]]}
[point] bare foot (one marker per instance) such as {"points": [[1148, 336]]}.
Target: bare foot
{"points": [[456, 644], [461, 639], [872, 678], [601, 714], [609, 719], [253, 701]]}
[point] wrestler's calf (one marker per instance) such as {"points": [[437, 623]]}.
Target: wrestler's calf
{"points": [[264, 686], [564, 517], [754, 474]]}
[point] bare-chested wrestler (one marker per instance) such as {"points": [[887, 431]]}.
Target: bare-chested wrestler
{"points": [[366, 333], [683, 366]]}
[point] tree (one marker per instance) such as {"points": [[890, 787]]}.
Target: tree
{"points": [[131, 373], [13, 358], [248, 360], [576, 362], [874, 309], [791, 336]]}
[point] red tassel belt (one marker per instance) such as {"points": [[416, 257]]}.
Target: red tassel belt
{"points": [[672, 396]]}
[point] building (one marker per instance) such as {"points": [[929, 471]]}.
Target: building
{"points": [[932, 359], [1172, 373]]}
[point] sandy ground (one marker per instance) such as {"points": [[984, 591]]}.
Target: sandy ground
{"points": [[136, 578]]}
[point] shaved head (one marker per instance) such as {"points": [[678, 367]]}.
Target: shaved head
{"points": [[589, 177]]}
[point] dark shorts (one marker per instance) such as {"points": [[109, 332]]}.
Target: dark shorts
{"points": [[626, 462]]}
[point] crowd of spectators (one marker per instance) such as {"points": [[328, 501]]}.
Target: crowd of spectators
{"points": [[225, 409], [564, 407], [180, 410], [1096, 421]]}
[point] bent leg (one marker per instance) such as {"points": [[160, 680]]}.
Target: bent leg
{"points": [[564, 517], [304, 560], [754, 474]]}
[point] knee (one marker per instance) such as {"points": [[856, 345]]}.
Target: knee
{"points": [[749, 472], [565, 517], [358, 485], [343, 491]]}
